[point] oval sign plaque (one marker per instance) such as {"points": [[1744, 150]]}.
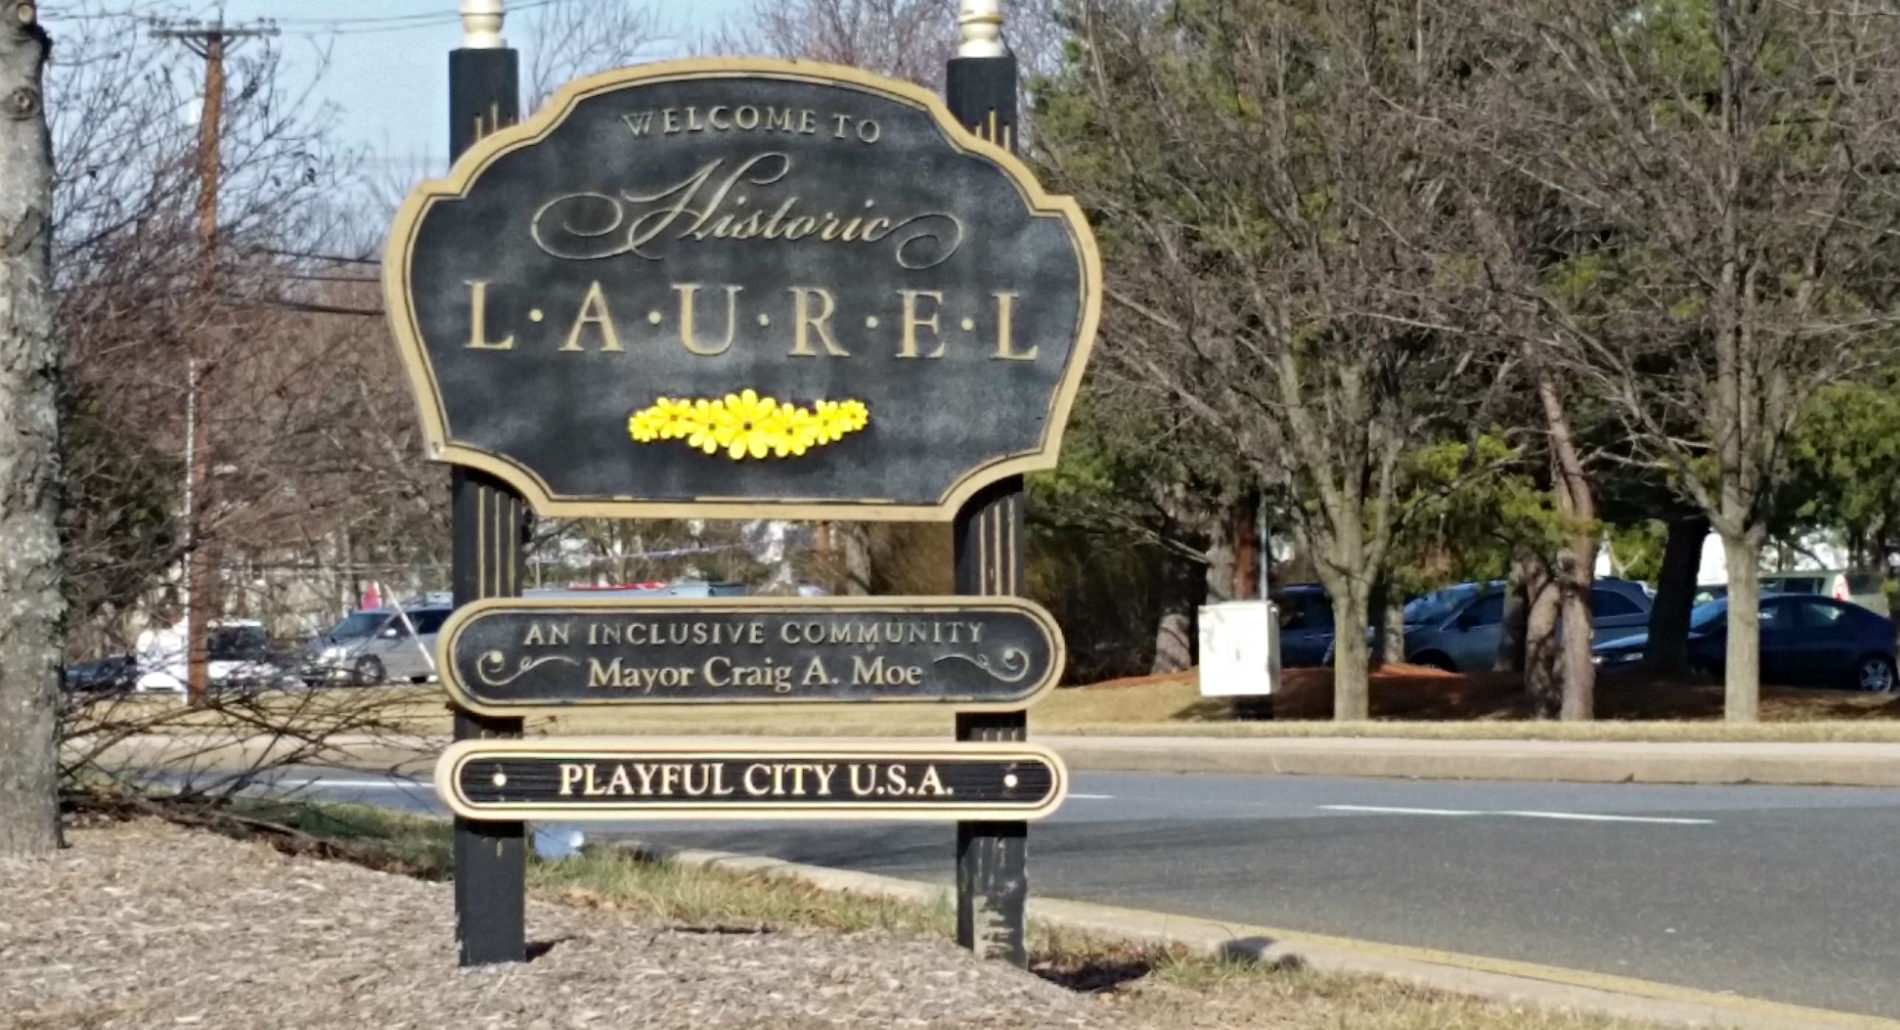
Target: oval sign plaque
{"points": [[742, 288], [619, 778], [504, 656]]}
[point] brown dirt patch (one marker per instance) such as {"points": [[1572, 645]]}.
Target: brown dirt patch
{"points": [[142, 925], [1419, 693]]}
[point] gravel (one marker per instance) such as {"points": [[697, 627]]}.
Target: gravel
{"points": [[143, 926]]}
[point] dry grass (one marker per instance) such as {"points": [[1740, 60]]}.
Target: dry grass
{"points": [[1164, 986], [1407, 701]]}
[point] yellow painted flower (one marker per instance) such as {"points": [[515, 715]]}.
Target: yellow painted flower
{"points": [[745, 425], [672, 419], [703, 429]]}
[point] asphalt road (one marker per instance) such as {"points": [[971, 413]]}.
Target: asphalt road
{"points": [[1786, 893]]}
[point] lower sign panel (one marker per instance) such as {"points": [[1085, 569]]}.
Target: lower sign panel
{"points": [[602, 778]]}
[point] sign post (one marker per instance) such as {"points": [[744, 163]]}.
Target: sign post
{"points": [[992, 857], [742, 289], [488, 528]]}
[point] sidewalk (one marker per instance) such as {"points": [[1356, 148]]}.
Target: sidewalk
{"points": [[1794, 764]]}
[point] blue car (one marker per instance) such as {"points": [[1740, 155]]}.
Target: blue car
{"points": [[1306, 625], [1810, 640]]}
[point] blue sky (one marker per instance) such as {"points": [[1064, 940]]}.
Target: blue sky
{"points": [[388, 59]]}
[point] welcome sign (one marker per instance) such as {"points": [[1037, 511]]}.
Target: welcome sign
{"points": [[741, 288]]}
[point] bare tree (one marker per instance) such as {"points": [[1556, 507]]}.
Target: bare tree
{"points": [[1282, 243], [31, 603], [567, 40], [1721, 177]]}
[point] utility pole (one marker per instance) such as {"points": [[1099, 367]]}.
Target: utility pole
{"points": [[211, 41]]}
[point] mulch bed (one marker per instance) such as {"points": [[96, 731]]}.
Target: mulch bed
{"points": [[141, 925]]}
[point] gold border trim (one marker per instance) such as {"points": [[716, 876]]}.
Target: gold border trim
{"points": [[460, 619], [402, 319], [448, 768]]}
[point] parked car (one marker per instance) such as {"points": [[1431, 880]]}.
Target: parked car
{"points": [[1306, 625], [1866, 589], [1459, 629], [377, 645], [238, 656], [1804, 640], [101, 677]]}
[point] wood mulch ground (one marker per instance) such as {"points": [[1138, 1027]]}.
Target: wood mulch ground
{"points": [[1418, 693], [142, 925]]}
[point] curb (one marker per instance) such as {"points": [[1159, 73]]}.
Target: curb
{"points": [[1496, 979], [1841, 765]]}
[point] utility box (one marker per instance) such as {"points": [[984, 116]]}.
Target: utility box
{"points": [[1240, 649]]}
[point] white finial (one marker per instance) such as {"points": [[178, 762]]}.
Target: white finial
{"points": [[980, 29], [481, 25]]}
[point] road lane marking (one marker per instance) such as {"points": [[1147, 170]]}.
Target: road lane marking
{"points": [[1592, 817], [1386, 810], [1583, 817], [1091, 797]]}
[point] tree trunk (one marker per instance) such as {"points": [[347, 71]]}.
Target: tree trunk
{"points": [[1543, 653], [853, 540], [1668, 648], [1517, 610], [1742, 666], [1392, 635], [31, 604], [1181, 585], [1247, 544], [1579, 671], [1352, 672], [1221, 567], [1375, 611], [1576, 566]]}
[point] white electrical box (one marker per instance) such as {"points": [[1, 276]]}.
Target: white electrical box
{"points": [[1240, 649]]}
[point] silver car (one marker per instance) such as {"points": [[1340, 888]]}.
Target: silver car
{"points": [[1458, 629], [377, 645]]}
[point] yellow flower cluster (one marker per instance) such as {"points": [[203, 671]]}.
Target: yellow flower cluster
{"points": [[745, 425]]}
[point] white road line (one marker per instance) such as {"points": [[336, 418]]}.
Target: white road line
{"points": [[1384, 810], [1091, 797], [1591, 817], [1582, 817]]}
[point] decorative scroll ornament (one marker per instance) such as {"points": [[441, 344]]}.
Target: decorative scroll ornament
{"points": [[745, 425], [491, 664], [1015, 664]]}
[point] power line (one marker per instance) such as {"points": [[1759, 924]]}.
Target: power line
{"points": [[350, 26]]}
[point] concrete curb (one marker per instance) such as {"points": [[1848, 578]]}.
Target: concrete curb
{"points": [[1499, 979], [1848, 765]]}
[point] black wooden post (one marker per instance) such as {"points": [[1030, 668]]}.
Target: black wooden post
{"points": [[992, 857], [489, 555]]}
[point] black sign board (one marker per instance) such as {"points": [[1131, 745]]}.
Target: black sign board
{"points": [[735, 288], [506, 656], [606, 778]]}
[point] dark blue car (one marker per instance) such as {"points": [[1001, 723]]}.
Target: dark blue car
{"points": [[1306, 625], [1810, 640]]}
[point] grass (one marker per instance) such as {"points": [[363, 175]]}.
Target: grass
{"points": [[1162, 985], [1407, 702]]}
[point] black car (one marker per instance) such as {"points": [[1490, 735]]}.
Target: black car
{"points": [[1804, 640], [113, 674]]}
